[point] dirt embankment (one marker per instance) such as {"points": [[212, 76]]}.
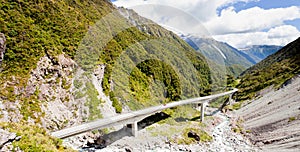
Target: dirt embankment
{"points": [[274, 119]]}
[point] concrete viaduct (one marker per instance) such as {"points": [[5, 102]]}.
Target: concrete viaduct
{"points": [[136, 116]]}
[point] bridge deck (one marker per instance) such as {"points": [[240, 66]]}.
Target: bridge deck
{"points": [[131, 117]]}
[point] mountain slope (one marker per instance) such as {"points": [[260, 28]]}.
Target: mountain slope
{"points": [[257, 53], [68, 62], [273, 121], [221, 53], [274, 70]]}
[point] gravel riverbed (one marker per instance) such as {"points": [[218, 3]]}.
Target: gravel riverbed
{"points": [[224, 140]]}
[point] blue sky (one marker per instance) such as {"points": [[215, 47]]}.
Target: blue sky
{"points": [[269, 4], [240, 23]]}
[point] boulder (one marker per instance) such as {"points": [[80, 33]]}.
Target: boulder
{"points": [[194, 135]]}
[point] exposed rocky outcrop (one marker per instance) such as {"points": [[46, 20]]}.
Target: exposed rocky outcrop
{"points": [[63, 89], [274, 119], [6, 139], [10, 111], [51, 78], [2, 47], [51, 82], [106, 109]]}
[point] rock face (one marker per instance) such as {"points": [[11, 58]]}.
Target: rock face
{"points": [[6, 139], [64, 90], [51, 81], [2, 47]]}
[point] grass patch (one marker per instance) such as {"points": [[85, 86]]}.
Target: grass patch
{"points": [[237, 127], [180, 114], [291, 119], [235, 106], [115, 102], [33, 138], [92, 101]]}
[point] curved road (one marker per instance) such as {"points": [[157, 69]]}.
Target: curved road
{"points": [[131, 117]]}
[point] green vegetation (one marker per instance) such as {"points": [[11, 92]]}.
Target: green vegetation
{"points": [[157, 59], [31, 109], [180, 114], [92, 101], [132, 51], [115, 47], [235, 63], [217, 103], [235, 106], [85, 88], [33, 138], [36, 28], [235, 69], [77, 84], [237, 127], [178, 134], [141, 76], [292, 119], [274, 71], [115, 102]]}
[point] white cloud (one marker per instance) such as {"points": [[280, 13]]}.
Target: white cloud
{"points": [[203, 10], [280, 35], [173, 18], [252, 19], [237, 28]]}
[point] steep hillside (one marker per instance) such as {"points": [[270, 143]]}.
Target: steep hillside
{"points": [[221, 53], [272, 71], [257, 53], [65, 61], [273, 121], [131, 73]]}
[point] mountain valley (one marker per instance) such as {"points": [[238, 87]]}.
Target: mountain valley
{"points": [[69, 62]]}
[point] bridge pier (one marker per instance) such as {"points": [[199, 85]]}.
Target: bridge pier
{"points": [[134, 128], [203, 105], [231, 101]]}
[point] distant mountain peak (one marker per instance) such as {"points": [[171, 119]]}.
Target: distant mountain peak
{"points": [[220, 53], [259, 52]]}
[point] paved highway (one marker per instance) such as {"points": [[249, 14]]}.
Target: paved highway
{"points": [[131, 117]]}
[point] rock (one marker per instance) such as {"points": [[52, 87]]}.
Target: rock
{"points": [[259, 144], [6, 137], [99, 72], [2, 47], [90, 143], [192, 134], [128, 150]]}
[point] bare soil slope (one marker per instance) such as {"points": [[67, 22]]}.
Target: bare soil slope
{"points": [[274, 119]]}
